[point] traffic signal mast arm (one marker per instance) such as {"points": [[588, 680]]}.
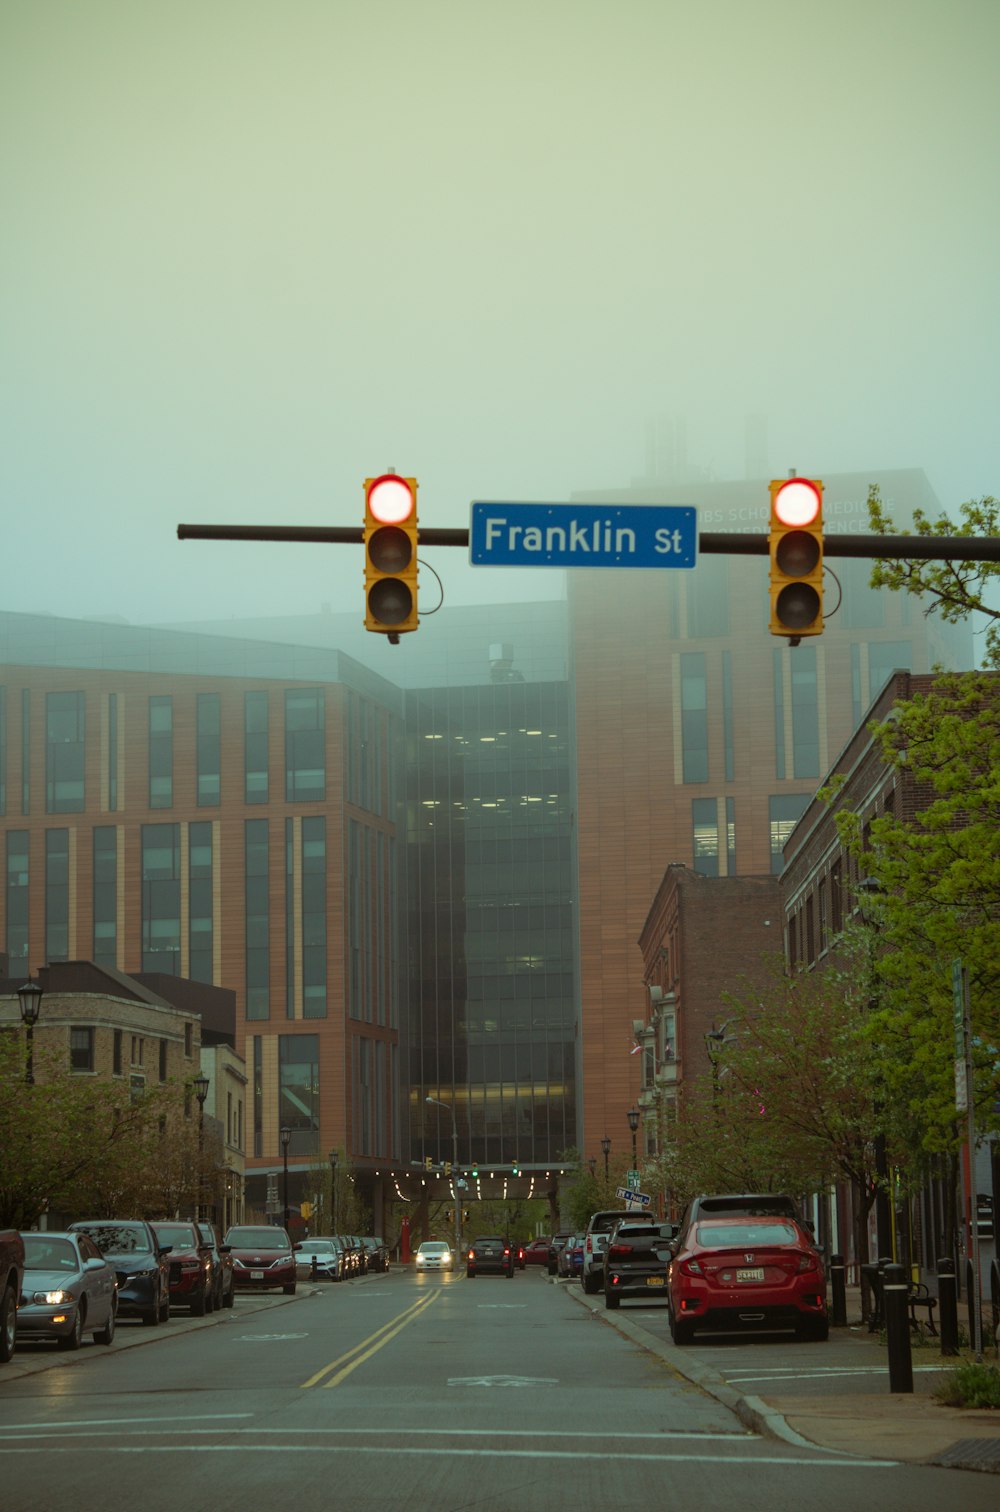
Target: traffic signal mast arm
{"points": [[718, 542]]}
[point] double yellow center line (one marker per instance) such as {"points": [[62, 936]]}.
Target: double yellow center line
{"points": [[345, 1363]]}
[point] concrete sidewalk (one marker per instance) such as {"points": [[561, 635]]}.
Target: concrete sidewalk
{"points": [[870, 1422]]}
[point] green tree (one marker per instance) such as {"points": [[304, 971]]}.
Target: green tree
{"points": [[956, 589]]}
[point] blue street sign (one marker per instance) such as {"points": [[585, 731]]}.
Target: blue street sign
{"points": [[583, 535]]}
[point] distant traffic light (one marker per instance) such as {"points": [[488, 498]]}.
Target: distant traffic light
{"points": [[474, 1173], [447, 1168], [391, 555], [795, 545], [515, 1168], [428, 1163]]}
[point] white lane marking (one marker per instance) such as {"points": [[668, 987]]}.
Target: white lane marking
{"points": [[118, 1423], [498, 1306], [744, 1436], [513, 1454], [503, 1380], [260, 1338]]}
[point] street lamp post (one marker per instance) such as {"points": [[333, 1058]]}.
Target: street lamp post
{"points": [[286, 1135], [592, 1163], [605, 1151], [30, 999], [334, 1157], [201, 1092], [454, 1172], [633, 1123]]}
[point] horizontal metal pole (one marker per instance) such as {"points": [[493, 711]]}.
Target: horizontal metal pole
{"points": [[723, 543]]}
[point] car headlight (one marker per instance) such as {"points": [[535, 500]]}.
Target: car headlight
{"points": [[54, 1298]]}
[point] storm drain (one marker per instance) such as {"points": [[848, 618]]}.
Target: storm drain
{"points": [[971, 1454]]}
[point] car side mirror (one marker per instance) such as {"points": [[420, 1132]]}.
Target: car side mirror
{"points": [[225, 1249], [92, 1262], [164, 1249]]}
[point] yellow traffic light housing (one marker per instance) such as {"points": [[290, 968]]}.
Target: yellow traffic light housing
{"points": [[796, 555], [391, 555]]}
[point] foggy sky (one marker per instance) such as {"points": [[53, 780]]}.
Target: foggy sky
{"points": [[252, 253]]}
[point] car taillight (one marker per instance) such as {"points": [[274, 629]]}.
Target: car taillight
{"points": [[472, 1255], [691, 1268], [589, 1245], [807, 1263], [507, 1249], [617, 1251]]}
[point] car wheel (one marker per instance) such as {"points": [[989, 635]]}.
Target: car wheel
{"points": [[107, 1333], [229, 1297], [8, 1325], [813, 1330], [165, 1309], [199, 1305], [152, 1317], [553, 1271], [612, 1300], [470, 1273], [74, 1339], [289, 1291], [589, 1283], [210, 1300]]}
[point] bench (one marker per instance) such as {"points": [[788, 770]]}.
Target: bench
{"points": [[919, 1296]]}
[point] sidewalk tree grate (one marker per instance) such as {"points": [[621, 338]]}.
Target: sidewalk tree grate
{"points": [[971, 1454]]}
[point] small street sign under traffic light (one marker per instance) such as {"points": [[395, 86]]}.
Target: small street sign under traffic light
{"points": [[795, 544], [391, 555]]}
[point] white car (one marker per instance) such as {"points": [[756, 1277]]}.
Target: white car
{"points": [[434, 1256]]}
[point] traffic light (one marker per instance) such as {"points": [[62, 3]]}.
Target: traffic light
{"points": [[391, 555], [428, 1163], [474, 1173], [447, 1168], [465, 1215], [515, 1168], [796, 551]]}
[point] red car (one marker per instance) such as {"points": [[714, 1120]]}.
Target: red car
{"points": [[741, 1273], [263, 1257], [190, 1262], [537, 1252]]}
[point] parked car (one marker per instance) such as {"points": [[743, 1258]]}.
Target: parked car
{"points": [[69, 1290], [11, 1273], [263, 1257], [594, 1241], [433, 1255], [569, 1261], [223, 1287], [556, 1244], [489, 1253], [636, 1260], [140, 1262], [358, 1254], [320, 1260], [190, 1267], [537, 1252], [742, 1273], [377, 1252]]}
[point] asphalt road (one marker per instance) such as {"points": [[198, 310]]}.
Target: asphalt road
{"points": [[427, 1393]]}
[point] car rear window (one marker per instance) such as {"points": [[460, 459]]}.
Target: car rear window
{"points": [[258, 1238], [733, 1235]]}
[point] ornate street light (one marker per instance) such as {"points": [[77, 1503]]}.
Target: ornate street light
{"points": [[200, 1084], [633, 1123], [30, 998], [334, 1157], [606, 1151]]}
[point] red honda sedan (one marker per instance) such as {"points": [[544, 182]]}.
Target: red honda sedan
{"points": [[737, 1274]]}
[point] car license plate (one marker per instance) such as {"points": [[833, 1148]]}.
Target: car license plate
{"points": [[654, 1280], [757, 1274], [256, 1275]]}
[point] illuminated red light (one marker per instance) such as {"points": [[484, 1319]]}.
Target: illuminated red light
{"points": [[797, 502], [391, 500]]}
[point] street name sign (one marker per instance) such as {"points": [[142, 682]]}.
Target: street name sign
{"points": [[626, 1194], [583, 535]]}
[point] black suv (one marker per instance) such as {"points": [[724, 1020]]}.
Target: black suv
{"points": [[489, 1253], [636, 1259]]}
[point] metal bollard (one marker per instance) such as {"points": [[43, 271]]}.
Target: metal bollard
{"points": [[838, 1287], [948, 1304], [314, 1270], [895, 1290]]}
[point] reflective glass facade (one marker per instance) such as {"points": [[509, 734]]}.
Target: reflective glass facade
{"points": [[491, 867]]}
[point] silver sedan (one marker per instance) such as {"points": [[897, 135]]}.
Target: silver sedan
{"points": [[69, 1290]]}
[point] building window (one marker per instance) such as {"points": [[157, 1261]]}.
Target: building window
{"points": [[208, 748], [161, 753], [81, 1049], [731, 837], [258, 1094], [258, 951], [116, 1053], [705, 824], [138, 1049], [255, 747], [188, 1040], [57, 895], [105, 952], [17, 897], [298, 1091], [311, 910], [694, 717], [805, 713], [64, 753], [25, 751], [821, 907], [728, 739], [305, 758], [112, 752], [784, 812], [163, 1060], [161, 898], [200, 921], [836, 898], [3, 750]]}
